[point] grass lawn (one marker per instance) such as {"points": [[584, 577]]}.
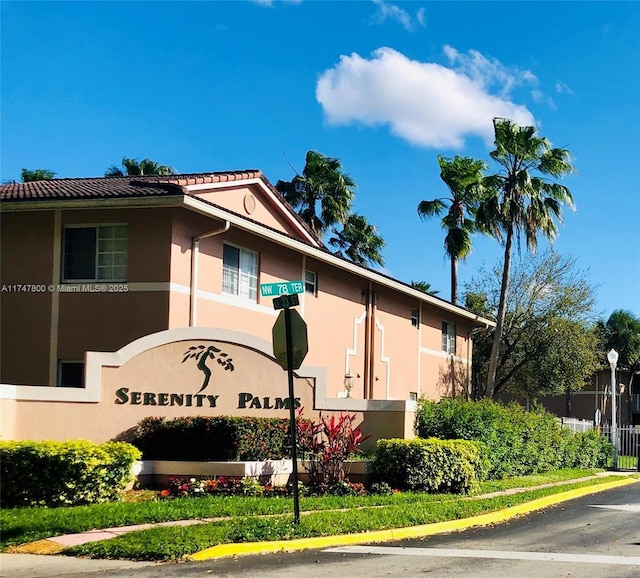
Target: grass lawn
{"points": [[251, 518]]}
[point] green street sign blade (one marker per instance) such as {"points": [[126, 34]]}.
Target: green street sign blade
{"points": [[284, 288]]}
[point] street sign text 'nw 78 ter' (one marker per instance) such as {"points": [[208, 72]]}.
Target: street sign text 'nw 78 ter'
{"points": [[284, 288]]}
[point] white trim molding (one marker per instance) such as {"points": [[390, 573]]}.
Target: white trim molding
{"points": [[354, 350], [443, 355], [383, 357]]}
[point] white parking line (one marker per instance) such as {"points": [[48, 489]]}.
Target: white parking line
{"points": [[625, 507], [496, 554]]}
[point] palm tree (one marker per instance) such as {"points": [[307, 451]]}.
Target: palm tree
{"points": [[424, 287], [322, 182], [135, 168], [359, 241], [463, 176], [521, 203], [37, 175]]}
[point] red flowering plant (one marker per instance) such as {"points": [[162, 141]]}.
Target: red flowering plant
{"points": [[326, 445]]}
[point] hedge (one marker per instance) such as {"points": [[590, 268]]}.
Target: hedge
{"points": [[430, 465], [218, 438], [54, 473], [516, 441]]}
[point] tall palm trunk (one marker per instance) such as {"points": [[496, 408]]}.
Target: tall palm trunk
{"points": [[502, 310], [454, 280]]}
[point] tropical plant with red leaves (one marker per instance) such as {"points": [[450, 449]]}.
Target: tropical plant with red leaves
{"points": [[325, 446]]}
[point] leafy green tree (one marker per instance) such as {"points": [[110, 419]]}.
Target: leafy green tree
{"points": [[463, 176], [358, 241], [135, 168], [622, 333], [523, 202], [424, 287], [29, 176], [322, 195], [550, 342]]}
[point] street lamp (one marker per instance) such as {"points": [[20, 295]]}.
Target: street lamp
{"points": [[612, 358]]}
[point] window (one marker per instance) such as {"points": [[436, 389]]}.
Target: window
{"points": [[415, 318], [449, 337], [95, 253], [240, 272], [310, 282], [70, 374]]}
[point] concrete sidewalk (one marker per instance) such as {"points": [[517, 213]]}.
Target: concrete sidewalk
{"points": [[28, 560], [36, 566]]}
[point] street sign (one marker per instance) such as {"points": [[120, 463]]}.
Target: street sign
{"points": [[299, 343], [284, 288], [285, 301]]}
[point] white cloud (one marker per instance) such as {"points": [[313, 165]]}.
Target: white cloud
{"points": [[385, 11], [424, 103], [537, 95], [563, 88], [488, 71]]}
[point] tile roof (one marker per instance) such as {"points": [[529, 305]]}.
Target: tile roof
{"points": [[134, 187], [117, 187]]}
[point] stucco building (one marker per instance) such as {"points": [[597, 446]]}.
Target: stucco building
{"points": [[128, 297]]}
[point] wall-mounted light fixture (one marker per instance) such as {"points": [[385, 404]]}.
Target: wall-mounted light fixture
{"points": [[349, 382]]}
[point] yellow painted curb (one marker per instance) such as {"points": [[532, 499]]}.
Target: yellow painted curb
{"points": [[226, 550]]}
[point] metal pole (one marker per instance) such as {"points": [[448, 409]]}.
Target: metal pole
{"points": [[614, 427], [292, 416]]}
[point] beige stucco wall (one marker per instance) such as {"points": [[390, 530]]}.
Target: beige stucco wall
{"points": [[251, 202], [149, 383], [26, 257]]}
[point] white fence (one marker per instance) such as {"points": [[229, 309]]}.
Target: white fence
{"points": [[576, 425], [628, 446]]}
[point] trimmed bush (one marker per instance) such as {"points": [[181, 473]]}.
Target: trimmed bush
{"points": [[53, 473], [517, 442], [587, 450], [217, 438], [428, 465]]}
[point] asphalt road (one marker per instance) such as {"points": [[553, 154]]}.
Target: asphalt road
{"points": [[596, 536]]}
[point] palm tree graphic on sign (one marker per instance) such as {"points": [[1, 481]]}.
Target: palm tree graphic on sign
{"points": [[202, 354]]}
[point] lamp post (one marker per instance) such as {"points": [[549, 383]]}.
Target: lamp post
{"points": [[612, 358]]}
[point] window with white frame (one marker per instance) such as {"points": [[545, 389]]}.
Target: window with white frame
{"points": [[95, 253], [240, 272], [449, 337], [70, 373], [310, 282], [415, 318]]}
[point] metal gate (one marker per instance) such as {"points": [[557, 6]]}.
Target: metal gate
{"points": [[628, 446]]}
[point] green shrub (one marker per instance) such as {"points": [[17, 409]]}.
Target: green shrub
{"points": [[430, 465], [218, 438], [589, 450], [516, 442], [53, 473]]}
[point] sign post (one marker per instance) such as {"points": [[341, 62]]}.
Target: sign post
{"points": [[293, 340], [292, 417]]}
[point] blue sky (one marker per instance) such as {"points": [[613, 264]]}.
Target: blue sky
{"points": [[383, 86]]}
